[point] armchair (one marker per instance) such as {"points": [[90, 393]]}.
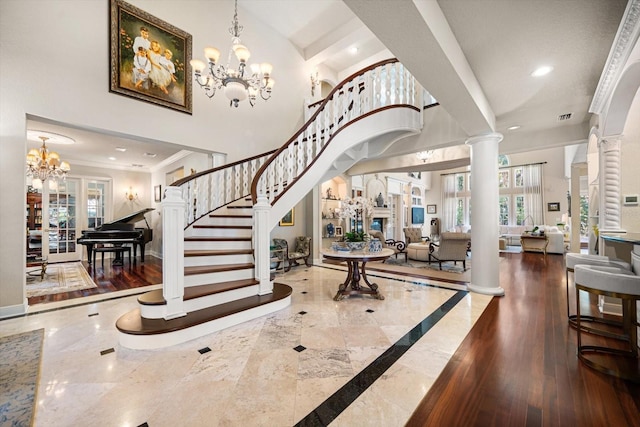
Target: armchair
{"points": [[397, 246], [301, 250], [452, 247], [413, 234]]}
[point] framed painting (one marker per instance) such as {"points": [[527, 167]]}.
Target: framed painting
{"points": [[149, 58], [287, 219], [553, 207], [157, 193], [431, 209], [338, 231]]}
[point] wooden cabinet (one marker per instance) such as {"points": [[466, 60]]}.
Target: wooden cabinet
{"points": [[34, 211]]}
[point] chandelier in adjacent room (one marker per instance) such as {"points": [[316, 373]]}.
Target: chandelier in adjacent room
{"points": [[237, 85], [424, 155], [43, 164]]}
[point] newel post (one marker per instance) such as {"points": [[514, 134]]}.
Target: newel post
{"points": [[173, 211], [261, 244]]}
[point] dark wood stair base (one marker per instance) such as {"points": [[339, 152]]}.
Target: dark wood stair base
{"points": [[133, 324], [225, 227], [204, 269], [229, 216], [192, 292], [212, 252], [216, 239]]}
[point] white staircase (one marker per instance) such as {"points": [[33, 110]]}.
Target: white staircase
{"points": [[223, 276]]}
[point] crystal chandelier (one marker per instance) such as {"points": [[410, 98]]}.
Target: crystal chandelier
{"points": [[43, 164], [237, 86]]}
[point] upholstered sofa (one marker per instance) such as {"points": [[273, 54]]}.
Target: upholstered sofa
{"points": [[556, 238]]}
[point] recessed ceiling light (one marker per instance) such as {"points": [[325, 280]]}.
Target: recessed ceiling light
{"points": [[514, 127], [121, 149], [542, 71], [112, 158], [52, 138], [150, 154], [353, 50]]}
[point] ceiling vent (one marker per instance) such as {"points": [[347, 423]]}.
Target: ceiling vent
{"points": [[563, 117]]}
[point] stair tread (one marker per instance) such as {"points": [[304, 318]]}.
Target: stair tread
{"points": [[216, 268], [132, 322], [216, 239], [229, 227], [230, 216], [155, 297], [205, 252]]}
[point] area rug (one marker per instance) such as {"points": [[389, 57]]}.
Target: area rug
{"points": [[65, 277], [512, 249], [446, 266], [20, 358]]}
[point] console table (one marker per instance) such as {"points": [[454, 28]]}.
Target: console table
{"points": [[533, 243], [353, 259]]}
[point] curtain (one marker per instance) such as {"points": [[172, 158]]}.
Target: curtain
{"points": [[448, 202], [533, 193]]}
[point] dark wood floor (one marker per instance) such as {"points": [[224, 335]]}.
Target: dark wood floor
{"points": [[518, 365], [112, 278]]}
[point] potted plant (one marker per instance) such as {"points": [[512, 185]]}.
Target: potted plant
{"points": [[356, 240]]}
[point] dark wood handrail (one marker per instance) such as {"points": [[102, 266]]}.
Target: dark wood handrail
{"points": [[218, 168], [254, 183]]}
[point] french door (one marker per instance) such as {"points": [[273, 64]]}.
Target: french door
{"points": [[60, 220]]}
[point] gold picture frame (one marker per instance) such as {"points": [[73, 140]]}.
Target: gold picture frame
{"points": [[287, 219], [149, 58]]}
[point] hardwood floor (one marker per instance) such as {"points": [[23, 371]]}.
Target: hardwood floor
{"points": [[111, 279], [518, 365]]}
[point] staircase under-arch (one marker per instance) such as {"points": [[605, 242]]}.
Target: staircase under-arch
{"points": [[217, 223]]}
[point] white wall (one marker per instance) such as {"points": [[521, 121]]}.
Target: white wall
{"points": [[630, 176], [55, 65]]}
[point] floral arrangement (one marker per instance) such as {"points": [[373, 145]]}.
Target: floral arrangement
{"points": [[356, 236], [356, 207]]}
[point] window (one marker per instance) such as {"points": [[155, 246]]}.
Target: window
{"points": [[503, 210], [96, 203]]}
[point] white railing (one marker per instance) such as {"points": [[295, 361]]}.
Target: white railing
{"points": [[209, 190], [382, 85]]}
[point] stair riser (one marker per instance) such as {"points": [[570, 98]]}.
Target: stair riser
{"points": [[148, 342], [225, 221], [158, 311], [218, 277], [217, 260], [229, 244], [217, 232]]}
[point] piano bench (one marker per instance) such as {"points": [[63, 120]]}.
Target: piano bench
{"points": [[115, 249]]}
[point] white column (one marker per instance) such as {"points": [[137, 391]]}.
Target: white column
{"points": [[261, 244], [609, 149], [173, 211], [485, 274]]}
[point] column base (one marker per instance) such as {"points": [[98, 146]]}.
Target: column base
{"points": [[495, 291]]}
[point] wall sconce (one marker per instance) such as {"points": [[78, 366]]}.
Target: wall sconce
{"points": [[424, 155], [314, 82], [130, 195]]}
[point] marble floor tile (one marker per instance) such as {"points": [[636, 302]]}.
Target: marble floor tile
{"points": [[255, 373]]}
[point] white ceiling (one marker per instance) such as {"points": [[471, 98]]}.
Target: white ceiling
{"points": [[502, 41]]}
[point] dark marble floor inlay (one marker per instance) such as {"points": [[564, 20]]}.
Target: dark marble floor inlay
{"points": [[93, 314], [302, 312], [329, 410], [107, 351], [204, 350], [144, 425], [304, 292], [370, 311], [300, 348]]}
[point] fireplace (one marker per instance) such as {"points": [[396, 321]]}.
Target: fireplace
{"points": [[377, 224]]}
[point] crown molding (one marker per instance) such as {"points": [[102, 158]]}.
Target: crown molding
{"points": [[623, 44]]}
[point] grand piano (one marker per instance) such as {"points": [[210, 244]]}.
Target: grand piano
{"points": [[119, 232]]}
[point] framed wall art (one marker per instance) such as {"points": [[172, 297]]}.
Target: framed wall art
{"points": [[149, 58], [553, 207], [431, 209], [287, 219]]}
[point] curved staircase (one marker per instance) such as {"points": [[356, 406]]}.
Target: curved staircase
{"points": [[217, 223]]}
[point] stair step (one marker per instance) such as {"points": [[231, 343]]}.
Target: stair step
{"points": [[213, 252], [155, 297], [190, 271], [240, 207], [134, 324], [226, 227], [216, 239], [230, 216]]}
